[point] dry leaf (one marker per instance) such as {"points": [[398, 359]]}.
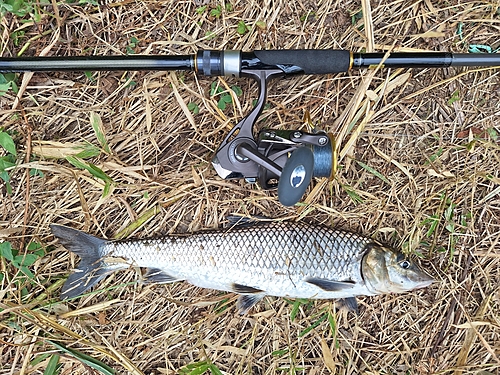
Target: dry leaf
{"points": [[444, 174], [468, 325], [196, 177], [327, 356], [371, 95], [430, 34]]}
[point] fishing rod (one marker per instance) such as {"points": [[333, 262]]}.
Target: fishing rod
{"points": [[282, 159]]}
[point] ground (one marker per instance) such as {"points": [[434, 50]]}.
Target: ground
{"points": [[418, 158]]}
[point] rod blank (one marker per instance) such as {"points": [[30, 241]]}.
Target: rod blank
{"points": [[93, 63], [426, 59]]}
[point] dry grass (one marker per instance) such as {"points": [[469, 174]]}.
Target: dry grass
{"points": [[441, 160]]}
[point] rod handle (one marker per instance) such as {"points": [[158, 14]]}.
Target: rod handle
{"points": [[307, 61]]}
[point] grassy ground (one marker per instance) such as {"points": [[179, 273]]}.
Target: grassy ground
{"points": [[418, 168]]}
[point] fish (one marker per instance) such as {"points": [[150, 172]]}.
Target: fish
{"points": [[252, 258]]}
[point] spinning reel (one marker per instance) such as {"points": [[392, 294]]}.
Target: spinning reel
{"points": [[282, 159]]}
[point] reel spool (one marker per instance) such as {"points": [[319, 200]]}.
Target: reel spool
{"points": [[300, 156]]}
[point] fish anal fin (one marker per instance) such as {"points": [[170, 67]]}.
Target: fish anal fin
{"points": [[156, 275], [247, 301], [330, 285], [244, 289], [351, 304]]}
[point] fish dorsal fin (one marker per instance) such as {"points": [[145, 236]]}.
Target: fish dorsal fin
{"points": [[247, 301], [156, 275], [244, 221], [244, 289], [330, 285]]}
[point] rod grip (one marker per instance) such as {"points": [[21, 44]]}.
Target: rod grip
{"points": [[310, 61]]}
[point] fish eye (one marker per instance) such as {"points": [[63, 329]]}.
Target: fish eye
{"points": [[405, 264]]}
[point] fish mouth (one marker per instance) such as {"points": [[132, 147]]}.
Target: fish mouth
{"points": [[425, 281]]}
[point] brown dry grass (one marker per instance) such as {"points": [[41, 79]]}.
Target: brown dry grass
{"points": [[434, 155]]}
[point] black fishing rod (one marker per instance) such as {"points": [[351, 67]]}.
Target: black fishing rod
{"points": [[235, 63], [286, 159]]}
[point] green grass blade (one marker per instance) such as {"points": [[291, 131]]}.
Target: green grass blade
{"points": [[150, 213], [373, 171], [85, 359], [96, 122], [296, 307], [280, 353], [333, 324], [355, 197], [39, 358], [91, 168], [197, 368], [215, 370], [312, 326], [53, 366], [333, 328], [88, 150]]}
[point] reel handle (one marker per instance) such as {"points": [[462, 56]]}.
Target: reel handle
{"points": [[295, 176]]}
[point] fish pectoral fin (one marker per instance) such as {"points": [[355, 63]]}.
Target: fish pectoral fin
{"points": [[350, 304], [330, 285], [156, 275], [247, 301], [244, 289]]}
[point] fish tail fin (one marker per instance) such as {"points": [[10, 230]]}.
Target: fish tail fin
{"points": [[90, 269]]}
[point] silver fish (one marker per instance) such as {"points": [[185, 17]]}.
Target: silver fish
{"points": [[282, 259]]}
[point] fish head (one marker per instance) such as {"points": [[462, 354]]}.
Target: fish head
{"points": [[388, 271]]}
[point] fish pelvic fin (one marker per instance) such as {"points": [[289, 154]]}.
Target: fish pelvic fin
{"points": [[247, 301], [249, 296], [90, 269]]}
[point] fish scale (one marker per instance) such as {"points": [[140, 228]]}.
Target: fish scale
{"points": [[275, 258]]}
